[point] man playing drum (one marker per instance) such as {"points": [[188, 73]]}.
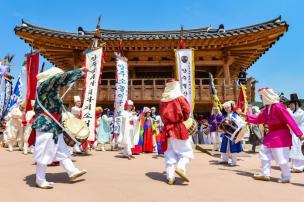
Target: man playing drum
{"points": [[227, 145], [49, 143], [174, 110]]}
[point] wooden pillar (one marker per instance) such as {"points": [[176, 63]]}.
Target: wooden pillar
{"points": [[226, 67], [226, 72]]}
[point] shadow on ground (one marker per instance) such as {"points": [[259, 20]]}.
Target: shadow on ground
{"points": [[51, 177], [161, 177]]}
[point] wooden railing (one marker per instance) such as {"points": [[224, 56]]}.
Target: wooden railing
{"points": [[150, 90]]}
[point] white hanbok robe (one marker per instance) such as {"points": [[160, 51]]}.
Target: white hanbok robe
{"points": [[14, 128], [296, 152], [129, 133]]}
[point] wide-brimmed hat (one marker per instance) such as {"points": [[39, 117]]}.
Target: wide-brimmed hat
{"points": [[53, 71], [294, 98]]}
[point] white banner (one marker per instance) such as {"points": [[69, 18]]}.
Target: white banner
{"points": [[121, 93], [94, 65], [186, 73]]}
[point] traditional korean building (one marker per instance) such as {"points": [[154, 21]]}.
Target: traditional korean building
{"points": [[151, 57]]}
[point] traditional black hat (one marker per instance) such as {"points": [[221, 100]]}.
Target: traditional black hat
{"points": [[294, 98]]}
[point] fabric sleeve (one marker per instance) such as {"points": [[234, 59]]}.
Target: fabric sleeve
{"points": [[260, 119], [63, 79]]}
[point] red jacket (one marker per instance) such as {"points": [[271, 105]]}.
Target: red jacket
{"points": [[173, 114]]}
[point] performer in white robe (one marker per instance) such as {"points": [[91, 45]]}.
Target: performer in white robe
{"points": [[29, 117], [296, 156], [14, 129], [76, 111], [129, 134]]}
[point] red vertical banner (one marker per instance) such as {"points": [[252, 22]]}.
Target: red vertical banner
{"points": [[32, 67], [242, 99]]}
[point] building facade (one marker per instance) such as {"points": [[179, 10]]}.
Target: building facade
{"points": [[151, 58]]}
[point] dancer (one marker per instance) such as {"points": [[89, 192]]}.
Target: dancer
{"points": [[174, 110], [147, 131], [49, 143], [278, 140], [129, 134], [228, 146]]}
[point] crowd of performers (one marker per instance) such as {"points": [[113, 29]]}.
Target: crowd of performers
{"points": [[278, 129]]}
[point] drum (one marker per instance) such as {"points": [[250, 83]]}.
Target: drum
{"points": [[234, 132], [191, 126], [76, 128]]}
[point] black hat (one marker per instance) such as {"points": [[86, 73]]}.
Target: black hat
{"points": [[294, 98]]}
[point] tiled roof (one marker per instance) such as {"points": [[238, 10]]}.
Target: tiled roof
{"points": [[106, 34]]}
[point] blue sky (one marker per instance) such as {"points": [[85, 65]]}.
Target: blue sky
{"points": [[281, 68]]}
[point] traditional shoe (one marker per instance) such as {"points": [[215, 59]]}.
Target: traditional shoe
{"points": [[77, 175], [259, 176], [45, 185], [132, 157], [295, 170], [171, 181], [283, 181], [182, 174]]}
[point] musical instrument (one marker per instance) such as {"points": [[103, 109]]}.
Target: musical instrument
{"points": [[232, 130], [191, 125], [76, 128]]}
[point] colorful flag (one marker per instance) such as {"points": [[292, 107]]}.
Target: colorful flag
{"points": [[16, 96], [242, 99], [215, 100]]}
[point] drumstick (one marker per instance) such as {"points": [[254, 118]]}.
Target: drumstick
{"points": [[199, 148]]}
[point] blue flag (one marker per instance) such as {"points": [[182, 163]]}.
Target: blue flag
{"points": [[16, 95]]}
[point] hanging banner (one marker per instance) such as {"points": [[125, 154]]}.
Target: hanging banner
{"points": [[185, 73], [32, 66], [7, 95], [94, 66], [121, 93]]}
